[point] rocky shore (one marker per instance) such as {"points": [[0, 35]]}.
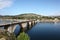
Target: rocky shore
{"points": [[5, 35]]}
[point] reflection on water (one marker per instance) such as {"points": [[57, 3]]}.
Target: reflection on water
{"points": [[45, 31], [17, 30]]}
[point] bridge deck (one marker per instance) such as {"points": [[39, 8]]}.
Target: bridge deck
{"points": [[5, 23], [10, 23]]}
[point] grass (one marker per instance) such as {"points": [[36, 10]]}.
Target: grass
{"points": [[23, 36]]}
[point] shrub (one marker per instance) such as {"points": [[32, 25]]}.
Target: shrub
{"points": [[23, 36]]}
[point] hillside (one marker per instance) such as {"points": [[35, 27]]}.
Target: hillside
{"points": [[22, 16], [29, 16]]}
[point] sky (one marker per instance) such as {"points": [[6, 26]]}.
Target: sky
{"points": [[41, 7]]}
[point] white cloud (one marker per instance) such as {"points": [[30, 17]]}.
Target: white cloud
{"points": [[5, 3], [56, 13]]}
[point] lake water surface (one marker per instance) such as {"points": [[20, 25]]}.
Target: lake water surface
{"points": [[45, 31]]}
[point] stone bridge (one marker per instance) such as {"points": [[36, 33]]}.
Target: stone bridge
{"points": [[23, 24]]}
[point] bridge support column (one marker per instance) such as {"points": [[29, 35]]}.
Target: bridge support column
{"points": [[28, 25], [34, 22], [23, 26], [31, 23], [6, 27], [9, 28]]}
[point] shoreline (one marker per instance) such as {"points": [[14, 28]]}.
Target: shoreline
{"points": [[19, 20]]}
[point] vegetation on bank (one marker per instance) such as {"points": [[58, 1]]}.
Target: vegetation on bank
{"points": [[5, 35], [23, 36]]}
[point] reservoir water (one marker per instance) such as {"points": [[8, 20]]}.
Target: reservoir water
{"points": [[45, 31]]}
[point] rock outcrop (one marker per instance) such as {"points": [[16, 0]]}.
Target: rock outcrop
{"points": [[5, 35]]}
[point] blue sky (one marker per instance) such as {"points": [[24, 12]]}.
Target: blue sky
{"points": [[43, 7]]}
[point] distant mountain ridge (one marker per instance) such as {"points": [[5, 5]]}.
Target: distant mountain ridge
{"points": [[22, 16], [28, 16]]}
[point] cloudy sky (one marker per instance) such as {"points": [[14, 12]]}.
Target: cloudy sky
{"points": [[43, 7]]}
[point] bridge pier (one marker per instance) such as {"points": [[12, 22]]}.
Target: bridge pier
{"points": [[23, 26], [29, 25], [10, 28], [26, 25], [33, 23], [6, 27]]}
